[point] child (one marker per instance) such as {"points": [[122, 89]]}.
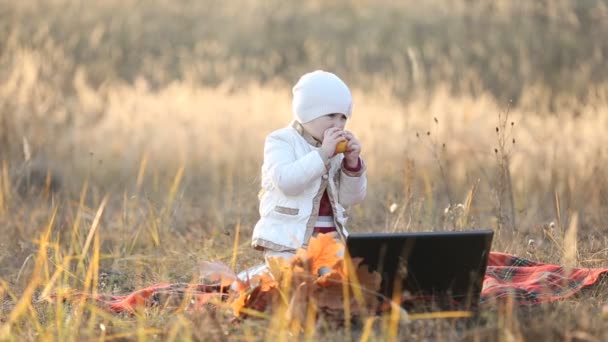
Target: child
{"points": [[306, 184]]}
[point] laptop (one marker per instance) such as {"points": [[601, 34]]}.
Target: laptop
{"points": [[426, 271]]}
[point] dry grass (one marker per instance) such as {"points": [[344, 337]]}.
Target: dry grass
{"points": [[132, 183]]}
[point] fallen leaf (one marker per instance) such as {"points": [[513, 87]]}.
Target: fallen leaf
{"points": [[239, 303], [323, 251], [330, 297], [266, 282], [370, 285]]}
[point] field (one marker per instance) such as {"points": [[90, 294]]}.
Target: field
{"points": [[131, 138]]}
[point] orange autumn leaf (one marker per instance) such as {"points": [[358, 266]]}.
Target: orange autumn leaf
{"points": [[370, 284], [266, 282], [240, 285], [330, 279], [258, 296], [323, 251], [362, 282], [367, 279], [338, 273], [298, 284], [239, 303], [330, 296]]}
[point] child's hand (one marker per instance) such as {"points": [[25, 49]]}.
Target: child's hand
{"points": [[331, 138], [353, 149]]}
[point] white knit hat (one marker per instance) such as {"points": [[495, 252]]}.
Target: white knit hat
{"points": [[320, 93]]}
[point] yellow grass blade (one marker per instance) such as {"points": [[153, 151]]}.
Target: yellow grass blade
{"points": [[75, 231], [235, 246], [257, 314], [93, 227], [92, 278], [440, 315], [174, 187], [34, 319], [354, 281], [368, 329], [395, 314], [279, 325], [570, 243], [152, 226], [179, 326], [58, 272], [6, 181], [464, 219], [141, 172], [25, 300], [2, 208], [346, 296], [47, 183], [311, 321], [558, 210]]}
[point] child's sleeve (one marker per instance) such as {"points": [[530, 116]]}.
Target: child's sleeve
{"points": [[292, 176], [353, 184]]}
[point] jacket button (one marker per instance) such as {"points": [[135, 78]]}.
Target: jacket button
{"points": [[324, 176]]}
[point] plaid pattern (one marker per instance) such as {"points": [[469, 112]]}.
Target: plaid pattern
{"points": [[524, 280], [532, 282]]}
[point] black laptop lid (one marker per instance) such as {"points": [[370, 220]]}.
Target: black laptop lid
{"points": [[446, 266]]}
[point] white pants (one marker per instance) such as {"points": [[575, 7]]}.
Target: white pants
{"points": [[263, 268]]}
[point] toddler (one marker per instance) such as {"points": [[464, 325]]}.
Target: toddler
{"points": [[306, 183]]}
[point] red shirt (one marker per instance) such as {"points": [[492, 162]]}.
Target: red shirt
{"points": [[325, 205]]}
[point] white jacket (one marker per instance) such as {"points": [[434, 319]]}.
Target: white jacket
{"points": [[294, 177]]}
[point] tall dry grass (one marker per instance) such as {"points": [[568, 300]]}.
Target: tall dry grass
{"points": [[131, 141], [508, 49]]}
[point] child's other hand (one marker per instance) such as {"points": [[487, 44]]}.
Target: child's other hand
{"points": [[353, 149], [331, 138]]}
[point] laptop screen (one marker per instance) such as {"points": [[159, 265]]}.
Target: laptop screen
{"points": [[445, 268]]}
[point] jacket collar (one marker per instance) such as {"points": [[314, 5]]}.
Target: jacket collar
{"points": [[309, 138]]}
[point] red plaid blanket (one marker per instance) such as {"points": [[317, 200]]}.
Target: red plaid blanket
{"points": [[526, 281], [531, 282]]}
